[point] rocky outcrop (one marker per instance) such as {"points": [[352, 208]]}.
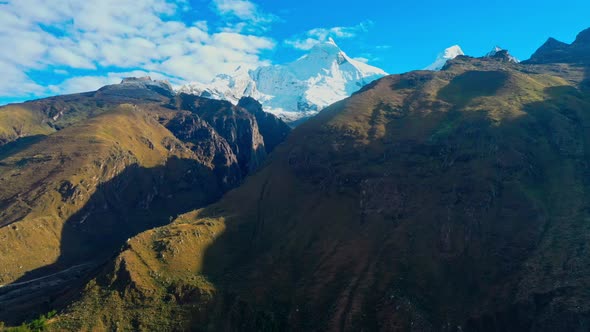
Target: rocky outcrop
{"points": [[206, 143], [273, 130], [501, 55], [236, 125]]}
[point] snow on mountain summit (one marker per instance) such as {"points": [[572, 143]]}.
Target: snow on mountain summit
{"points": [[296, 90], [498, 49], [448, 54]]}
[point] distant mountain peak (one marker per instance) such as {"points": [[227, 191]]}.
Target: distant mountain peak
{"points": [[494, 50], [145, 87], [146, 81], [500, 53], [552, 42], [554, 51], [583, 37], [295, 90], [127, 80], [327, 50], [448, 54]]}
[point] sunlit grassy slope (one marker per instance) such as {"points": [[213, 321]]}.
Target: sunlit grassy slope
{"points": [[18, 121], [48, 182]]}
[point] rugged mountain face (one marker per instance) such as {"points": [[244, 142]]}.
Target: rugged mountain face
{"points": [[448, 54], [429, 201], [554, 51], [272, 128], [237, 125], [500, 53], [130, 157], [297, 90]]}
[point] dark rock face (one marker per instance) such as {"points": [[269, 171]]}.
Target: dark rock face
{"points": [[204, 141], [273, 129], [554, 51], [583, 38], [236, 125], [503, 55]]}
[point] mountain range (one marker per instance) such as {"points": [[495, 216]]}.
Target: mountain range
{"points": [[299, 90], [436, 200]]}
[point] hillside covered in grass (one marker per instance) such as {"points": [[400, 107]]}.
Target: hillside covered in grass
{"points": [[76, 186]]}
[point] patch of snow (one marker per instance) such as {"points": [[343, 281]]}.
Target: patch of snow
{"points": [[448, 54], [146, 81], [497, 49]]}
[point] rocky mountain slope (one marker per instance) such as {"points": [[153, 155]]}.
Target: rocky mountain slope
{"points": [[106, 166], [296, 90], [554, 51], [429, 201], [497, 51]]}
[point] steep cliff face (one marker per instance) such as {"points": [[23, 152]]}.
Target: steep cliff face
{"points": [[126, 161], [205, 142], [236, 125], [429, 201], [273, 130]]}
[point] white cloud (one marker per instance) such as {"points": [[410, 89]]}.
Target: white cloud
{"points": [[119, 35], [241, 8], [243, 43], [246, 15], [16, 83], [307, 40], [302, 44], [67, 57], [82, 84]]}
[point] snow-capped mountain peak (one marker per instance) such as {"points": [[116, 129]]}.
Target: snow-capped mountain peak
{"points": [[448, 54], [298, 89], [498, 49]]}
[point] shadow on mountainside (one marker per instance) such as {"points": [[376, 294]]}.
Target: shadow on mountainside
{"points": [[478, 225], [136, 200], [551, 284], [482, 227], [20, 144], [472, 84]]}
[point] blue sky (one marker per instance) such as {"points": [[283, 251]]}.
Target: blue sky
{"points": [[66, 46]]}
